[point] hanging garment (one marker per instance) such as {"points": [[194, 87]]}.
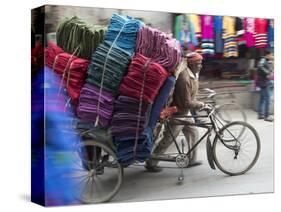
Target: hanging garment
{"points": [[161, 100], [144, 79], [94, 102], [108, 66], [122, 31], [219, 45], [249, 26], [129, 116], [130, 148], [229, 36], [240, 34], [195, 20], [271, 34], [160, 48], [71, 69], [207, 28], [186, 33], [75, 36], [261, 26]]}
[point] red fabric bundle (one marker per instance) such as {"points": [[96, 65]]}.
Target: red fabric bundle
{"points": [[71, 68], [144, 76]]}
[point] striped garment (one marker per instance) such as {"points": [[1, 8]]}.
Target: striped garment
{"points": [[229, 36], [207, 29], [261, 33]]}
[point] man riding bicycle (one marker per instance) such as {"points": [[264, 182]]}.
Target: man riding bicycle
{"points": [[186, 88]]}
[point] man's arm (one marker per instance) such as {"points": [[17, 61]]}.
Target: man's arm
{"points": [[262, 67], [188, 101]]}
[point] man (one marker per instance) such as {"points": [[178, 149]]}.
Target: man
{"points": [[186, 88], [264, 72]]}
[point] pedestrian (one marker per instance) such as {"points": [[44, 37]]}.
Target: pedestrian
{"points": [[186, 88], [264, 74]]}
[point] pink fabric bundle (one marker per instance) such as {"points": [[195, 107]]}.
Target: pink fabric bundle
{"points": [[143, 74], [71, 68], [156, 45]]}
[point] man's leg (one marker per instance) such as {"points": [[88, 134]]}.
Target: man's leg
{"points": [[191, 135], [261, 104], [163, 144], [267, 105]]}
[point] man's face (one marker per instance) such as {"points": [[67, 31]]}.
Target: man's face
{"points": [[196, 67]]}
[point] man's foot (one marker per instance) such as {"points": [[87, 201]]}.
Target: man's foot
{"points": [[195, 163], [152, 168], [260, 117], [269, 118]]}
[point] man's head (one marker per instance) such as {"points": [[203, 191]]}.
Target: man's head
{"points": [[268, 55], [194, 61]]}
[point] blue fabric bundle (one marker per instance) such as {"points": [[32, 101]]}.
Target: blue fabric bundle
{"points": [[124, 31], [160, 100], [117, 61], [125, 147]]}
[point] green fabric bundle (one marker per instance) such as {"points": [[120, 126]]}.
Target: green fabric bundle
{"points": [[79, 38]]}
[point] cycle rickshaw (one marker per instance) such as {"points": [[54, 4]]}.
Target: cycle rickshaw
{"points": [[234, 149]]}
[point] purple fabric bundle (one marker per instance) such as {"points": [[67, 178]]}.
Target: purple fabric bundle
{"points": [[88, 104], [156, 45], [125, 118]]}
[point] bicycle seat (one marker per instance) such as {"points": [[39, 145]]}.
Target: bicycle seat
{"points": [[168, 112]]}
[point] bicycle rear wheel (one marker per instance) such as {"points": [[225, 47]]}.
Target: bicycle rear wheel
{"points": [[235, 153], [97, 175]]}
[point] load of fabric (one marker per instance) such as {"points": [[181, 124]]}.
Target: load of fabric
{"points": [[160, 48], [161, 100], [107, 68], [71, 69], [122, 32], [130, 148], [144, 79], [129, 126], [108, 65], [90, 100], [129, 116], [76, 37]]}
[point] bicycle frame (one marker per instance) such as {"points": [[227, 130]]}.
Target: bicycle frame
{"points": [[210, 126]]}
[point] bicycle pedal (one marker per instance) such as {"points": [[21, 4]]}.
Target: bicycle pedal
{"points": [[180, 178]]}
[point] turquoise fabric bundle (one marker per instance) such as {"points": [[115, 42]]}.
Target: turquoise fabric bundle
{"points": [[122, 31]]}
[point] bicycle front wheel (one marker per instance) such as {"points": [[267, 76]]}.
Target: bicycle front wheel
{"points": [[231, 112], [235, 153]]}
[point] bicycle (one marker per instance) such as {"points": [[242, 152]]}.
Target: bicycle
{"points": [[101, 174]]}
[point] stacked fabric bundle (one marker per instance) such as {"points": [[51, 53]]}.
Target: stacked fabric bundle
{"points": [[229, 36], [109, 66], [156, 45], [207, 28], [161, 100], [129, 148], [93, 103], [144, 79], [72, 69], [74, 33], [122, 31], [129, 116]]}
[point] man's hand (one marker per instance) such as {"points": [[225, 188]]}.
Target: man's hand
{"points": [[207, 107]]}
